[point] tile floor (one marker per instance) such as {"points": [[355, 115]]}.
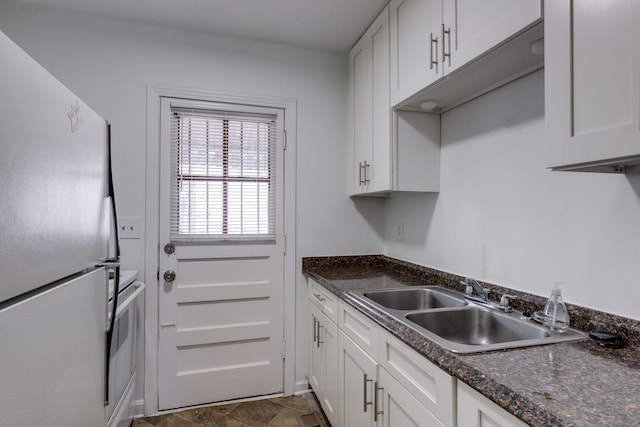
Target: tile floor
{"points": [[276, 412]]}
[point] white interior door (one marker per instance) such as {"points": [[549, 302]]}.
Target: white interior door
{"points": [[221, 314]]}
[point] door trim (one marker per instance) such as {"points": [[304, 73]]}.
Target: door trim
{"points": [[151, 342]]}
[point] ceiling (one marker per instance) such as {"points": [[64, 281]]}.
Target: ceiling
{"points": [[332, 25]]}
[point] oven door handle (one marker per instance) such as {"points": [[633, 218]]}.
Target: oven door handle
{"points": [[123, 305]]}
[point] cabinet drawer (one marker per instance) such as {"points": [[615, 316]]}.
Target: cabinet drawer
{"points": [[430, 385], [362, 330], [475, 410], [323, 299]]}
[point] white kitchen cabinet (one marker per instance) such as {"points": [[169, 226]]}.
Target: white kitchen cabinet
{"points": [[362, 330], [592, 85], [388, 151], [382, 382], [358, 375], [369, 111], [429, 385], [475, 410], [326, 301], [472, 27], [323, 360], [416, 41], [398, 407], [431, 38], [369, 396], [364, 376]]}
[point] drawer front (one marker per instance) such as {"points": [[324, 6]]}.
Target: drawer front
{"points": [[475, 410], [362, 330], [323, 299], [430, 385]]}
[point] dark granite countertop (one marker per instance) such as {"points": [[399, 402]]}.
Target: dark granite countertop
{"points": [[568, 384]]}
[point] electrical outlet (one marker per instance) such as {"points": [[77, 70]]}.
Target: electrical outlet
{"points": [[129, 228]]}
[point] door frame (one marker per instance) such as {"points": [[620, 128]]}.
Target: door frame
{"points": [[151, 324]]}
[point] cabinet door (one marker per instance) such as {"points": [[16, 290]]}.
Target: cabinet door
{"points": [[316, 365], [379, 173], [323, 361], [329, 344], [432, 387], [475, 410], [592, 79], [471, 28], [369, 110], [357, 375], [360, 112], [398, 407], [415, 31]]}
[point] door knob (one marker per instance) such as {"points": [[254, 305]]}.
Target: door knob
{"points": [[169, 276]]}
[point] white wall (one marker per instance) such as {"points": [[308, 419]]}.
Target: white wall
{"points": [[108, 63], [502, 218]]}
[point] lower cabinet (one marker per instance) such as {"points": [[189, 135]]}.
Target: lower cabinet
{"points": [[475, 410], [323, 362], [368, 394], [358, 377], [363, 376], [398, 407]]}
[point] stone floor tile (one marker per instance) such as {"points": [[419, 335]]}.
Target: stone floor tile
{"points": [[257, 413]]}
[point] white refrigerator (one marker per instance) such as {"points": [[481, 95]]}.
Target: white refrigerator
{"points": [[56, 220]]}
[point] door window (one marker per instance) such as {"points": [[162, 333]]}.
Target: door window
{"points": [[222, 175]]}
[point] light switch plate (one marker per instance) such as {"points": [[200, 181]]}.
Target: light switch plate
{"points": [[129, 227]]}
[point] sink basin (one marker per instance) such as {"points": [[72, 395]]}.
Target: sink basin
{"points": [[445, 317], [475, 326], [415, 298], [474, 329]]}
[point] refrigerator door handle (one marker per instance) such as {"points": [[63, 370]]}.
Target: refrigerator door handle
{"points": [[112, 199], [113, 263]]}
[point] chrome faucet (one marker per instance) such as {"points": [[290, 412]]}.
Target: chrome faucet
{"points": [[476, 293], [473, 288]]}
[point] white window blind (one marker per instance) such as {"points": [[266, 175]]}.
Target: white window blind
{"points": [[222, 175]]}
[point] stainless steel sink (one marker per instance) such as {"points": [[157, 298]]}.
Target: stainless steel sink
{"points": [[475, 326], [461, 326], [415, 298]]}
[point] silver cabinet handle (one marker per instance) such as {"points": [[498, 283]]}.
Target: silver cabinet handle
{"points": [[169, 276], [375, 402], [366, 172], [319, 298], [433, 59], [315, 336], [319, 342], [446, 34], [363, 175], [365, 402]]}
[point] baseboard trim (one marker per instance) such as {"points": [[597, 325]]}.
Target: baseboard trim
{"points": [[301, 387], [136, 408]]}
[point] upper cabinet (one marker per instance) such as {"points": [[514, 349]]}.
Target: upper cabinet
{"points": [[387, 151], [592, 85], [472, 27], [370, 118], [430, 39], [416, 42], [444, 51]]}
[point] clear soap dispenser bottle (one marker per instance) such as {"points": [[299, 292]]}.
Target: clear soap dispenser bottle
{"points": [[556, 316]]}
